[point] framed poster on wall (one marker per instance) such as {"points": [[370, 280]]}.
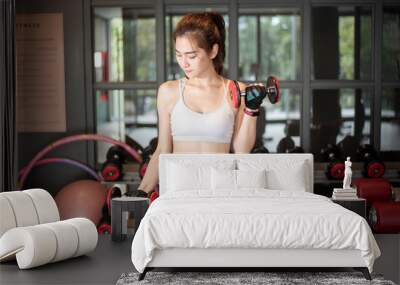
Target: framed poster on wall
{"points": [[40, 73]]}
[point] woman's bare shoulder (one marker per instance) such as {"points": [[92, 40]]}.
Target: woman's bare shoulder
{"points": [[169, 90], [168, 94], [169, 86]]}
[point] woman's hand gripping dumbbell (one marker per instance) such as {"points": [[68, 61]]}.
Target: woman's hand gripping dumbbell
{"points": [[255, 93]]}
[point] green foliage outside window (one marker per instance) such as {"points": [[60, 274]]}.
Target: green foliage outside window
{"points": [[116, 52], [346, 47]]}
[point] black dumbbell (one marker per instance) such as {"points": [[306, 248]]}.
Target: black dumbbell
{"points": [[271, 89], [112, 168], [116, 153], [373, 165], [335, 167]]}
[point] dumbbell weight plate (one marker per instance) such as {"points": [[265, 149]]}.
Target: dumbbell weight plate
{"points": [[111, 171], [104, 229], [112, 192], [366, 151], [234, 92], [375, 169], [330, 152], [116, 153], [336, 170], [273, 90]]}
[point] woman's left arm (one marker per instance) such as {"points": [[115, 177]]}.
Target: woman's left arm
{"points": [[244, 135]]}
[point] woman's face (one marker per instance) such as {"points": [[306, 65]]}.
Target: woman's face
{"points": [[193, 60]]}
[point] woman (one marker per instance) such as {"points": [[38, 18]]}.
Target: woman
{"points": [[196, 113]]}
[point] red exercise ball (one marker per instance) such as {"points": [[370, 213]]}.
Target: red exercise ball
{"points": [[82, 198]]}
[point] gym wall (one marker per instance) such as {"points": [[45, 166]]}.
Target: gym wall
{"points": [[54, 176]]}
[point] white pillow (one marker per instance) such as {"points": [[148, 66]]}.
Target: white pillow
{"points": [[236, 179], [251, 178], [292, 179], [186, 175], [281, 174], [223, 179]]}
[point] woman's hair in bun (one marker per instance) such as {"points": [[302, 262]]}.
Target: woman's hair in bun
{"points": [[207, 29]]}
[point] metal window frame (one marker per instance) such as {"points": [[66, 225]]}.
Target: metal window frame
{"points": [[305, 84], [371, 84], [90, 98], [305, 130]]}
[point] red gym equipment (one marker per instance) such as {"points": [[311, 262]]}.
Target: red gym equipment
{"points": [[105, 224], [112, 169], [74, 138], [89, 199], [373, 189], [384, 213], [384, 217], [82, 198], [154, 195]]}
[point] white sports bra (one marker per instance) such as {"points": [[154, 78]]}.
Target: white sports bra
{"points": [[188, 125]]}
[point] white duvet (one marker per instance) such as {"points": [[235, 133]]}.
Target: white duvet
{"points": [[251, 218]]}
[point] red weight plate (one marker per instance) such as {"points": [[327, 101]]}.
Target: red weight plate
{"points": [[112, 193], [111, 172], [272, 81], [104, 228], [375, 170], [234, 92], [337, 171]]}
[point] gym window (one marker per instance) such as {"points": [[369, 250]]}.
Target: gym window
{"points": [[321, 51]]}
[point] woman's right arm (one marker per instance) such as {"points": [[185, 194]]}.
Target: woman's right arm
{"points": [[165, 102]]}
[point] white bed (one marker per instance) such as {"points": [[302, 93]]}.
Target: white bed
{"points": [[247, 210]]}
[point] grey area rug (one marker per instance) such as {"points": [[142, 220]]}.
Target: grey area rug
{"points": [[230, 278]]}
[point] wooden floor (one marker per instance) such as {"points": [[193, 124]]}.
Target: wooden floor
{"points": [[102, 266]]}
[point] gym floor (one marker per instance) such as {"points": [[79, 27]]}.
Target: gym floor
{"points": [[110, 259], [102, 266]]}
